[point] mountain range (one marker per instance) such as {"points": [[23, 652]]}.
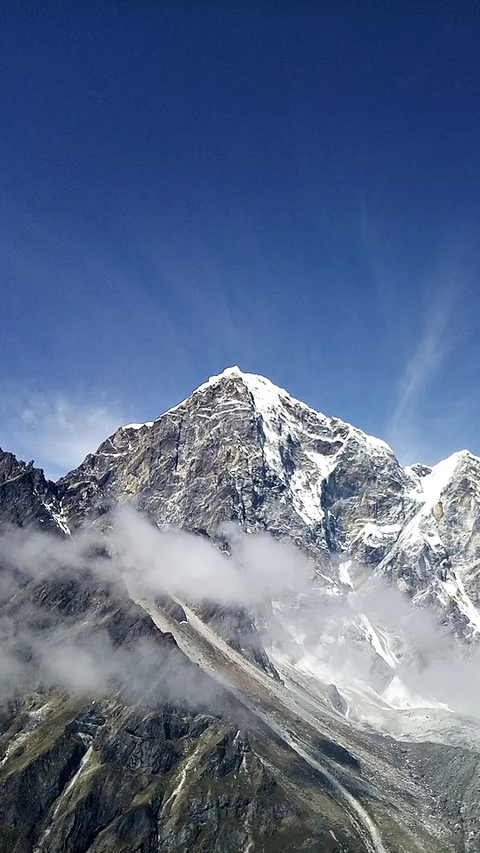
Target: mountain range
{"points": [[243, 626]]}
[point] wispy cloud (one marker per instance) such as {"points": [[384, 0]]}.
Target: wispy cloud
{"points": [[416, 418], [430, 353], [427, 308], [56, 430]]}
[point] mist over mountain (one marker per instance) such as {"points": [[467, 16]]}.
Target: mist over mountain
{"points": [[241, 626]]}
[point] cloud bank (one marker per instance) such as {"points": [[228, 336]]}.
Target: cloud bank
{"points": [[64, 606], [66, 617]]}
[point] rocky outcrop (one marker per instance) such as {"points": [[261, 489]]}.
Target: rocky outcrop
{"points": [[27, 499]]}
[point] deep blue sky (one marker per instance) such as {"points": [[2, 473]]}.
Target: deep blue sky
{"points": [[293, 187]]}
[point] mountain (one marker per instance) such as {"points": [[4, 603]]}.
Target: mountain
{"points": [[291, 671], [242, 449]]}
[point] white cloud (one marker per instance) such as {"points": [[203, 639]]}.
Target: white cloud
{"points": [[56, 430], [321, 632], [78, 651], [179, 563]]}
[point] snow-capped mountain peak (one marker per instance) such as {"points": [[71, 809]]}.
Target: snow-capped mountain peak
{"points": [[301, 446], [242, 448], [269, 399]]}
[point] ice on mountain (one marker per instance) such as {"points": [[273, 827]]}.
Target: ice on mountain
{"points": [[138, 426]]}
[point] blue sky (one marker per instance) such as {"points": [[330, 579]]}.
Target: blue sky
{"points": [[293, 187]]}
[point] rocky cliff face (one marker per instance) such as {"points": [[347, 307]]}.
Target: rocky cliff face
{"points": [[241, 449], [254, 755]]}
